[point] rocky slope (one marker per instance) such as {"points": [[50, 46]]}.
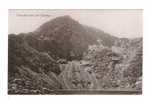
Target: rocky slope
{"points": [[119, 67]]}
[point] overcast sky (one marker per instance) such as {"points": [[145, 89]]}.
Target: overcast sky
{"points": [[121, 23]]}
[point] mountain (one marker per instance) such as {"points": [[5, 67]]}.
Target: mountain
{"points": [[66, 38], [60, 38], [64, 54]]}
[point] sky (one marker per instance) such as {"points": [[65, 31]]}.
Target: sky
{"points": [[120, 23]]}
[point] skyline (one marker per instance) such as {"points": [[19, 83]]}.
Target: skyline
{"points": [[120, 23]]}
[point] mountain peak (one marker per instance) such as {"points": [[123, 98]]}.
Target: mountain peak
{"points": [[65, 17], [65, 20]]}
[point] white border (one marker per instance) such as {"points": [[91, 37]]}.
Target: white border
{"points": [[66, 4]]}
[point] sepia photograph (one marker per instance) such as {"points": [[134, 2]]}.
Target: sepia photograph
{"points": [[75, 51]]}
